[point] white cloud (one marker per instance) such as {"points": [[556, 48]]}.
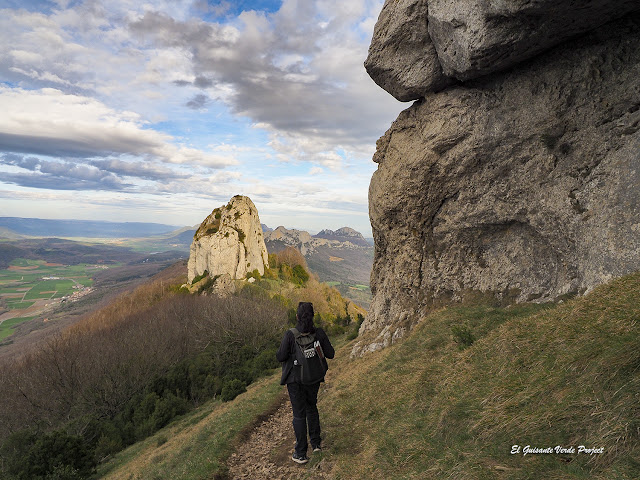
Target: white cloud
{"points": [[130, 92], [79, 126], [297, 73]]}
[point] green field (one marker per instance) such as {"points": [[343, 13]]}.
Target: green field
{"points": [[360, 294], [16, 304], [29, 280], [6, 327]]}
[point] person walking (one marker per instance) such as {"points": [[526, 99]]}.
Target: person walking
{"points": [[304, 397]]}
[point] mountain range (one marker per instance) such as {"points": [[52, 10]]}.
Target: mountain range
{"points": [[343, 257]]}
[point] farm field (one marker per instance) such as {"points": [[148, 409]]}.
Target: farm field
{"points": [[360, 294], [7, 327], [27, 287]]}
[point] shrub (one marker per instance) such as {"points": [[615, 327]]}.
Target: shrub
{"points": [[463, 336], [253, 274], [55, 455], [300, 275], [232, 389], [200, 277], [286, 272]]}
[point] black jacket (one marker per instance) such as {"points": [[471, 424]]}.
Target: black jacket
{"points": [[286, 353]]}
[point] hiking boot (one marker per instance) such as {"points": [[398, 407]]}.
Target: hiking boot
{"points": [[299, 458]]}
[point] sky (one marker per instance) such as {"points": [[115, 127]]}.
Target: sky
{"points": [[162, 110]]}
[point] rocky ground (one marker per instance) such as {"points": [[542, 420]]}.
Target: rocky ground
{"points": [[266, 451]]}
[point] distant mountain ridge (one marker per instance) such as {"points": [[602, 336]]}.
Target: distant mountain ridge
{"points": [[344, 234], [342, 256], [38, 227]]}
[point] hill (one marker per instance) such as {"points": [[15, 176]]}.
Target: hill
{"points": [[343, 257], [460, 397], [48, 284], [153, 354]]}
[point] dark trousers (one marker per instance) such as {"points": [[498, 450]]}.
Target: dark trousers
{"points": [[304, 399]]}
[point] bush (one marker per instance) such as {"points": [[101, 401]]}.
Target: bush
{"points": [[55, 455], [463, 336], [300, 275], [356, 328], [200, 277], [232, 389], [254, 274], [271, 273]]}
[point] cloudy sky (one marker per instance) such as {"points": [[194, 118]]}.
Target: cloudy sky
{"points": [[162, 110]]}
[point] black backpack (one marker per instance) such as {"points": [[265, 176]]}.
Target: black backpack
{"points": [[310, 365]]}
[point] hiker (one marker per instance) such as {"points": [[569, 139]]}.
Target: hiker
{"points": [[302, 385]]}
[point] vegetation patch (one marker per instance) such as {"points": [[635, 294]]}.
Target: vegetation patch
{"points": [[200, 277], [7, 328], [198, 444], [18, 305], [166, 356], [539, 375]]}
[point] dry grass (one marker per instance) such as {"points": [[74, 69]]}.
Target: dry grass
{"points": [[540, 376], [197, 445], [543, 376]]}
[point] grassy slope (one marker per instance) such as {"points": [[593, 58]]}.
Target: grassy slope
{"points": [[195, 446], [566, 375]]}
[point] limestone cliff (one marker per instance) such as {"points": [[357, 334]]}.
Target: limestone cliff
{"points": [[229, 242], [519, 184]]}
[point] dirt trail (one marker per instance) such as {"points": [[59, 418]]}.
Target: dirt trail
{"points": [[266, 451]]}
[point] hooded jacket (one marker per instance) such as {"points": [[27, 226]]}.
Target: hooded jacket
{"points": [[287, 353]]}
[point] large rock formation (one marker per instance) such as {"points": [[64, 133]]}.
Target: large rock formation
{"points": [[402, 58], [229, 242], [521, 185], [421, 46]]}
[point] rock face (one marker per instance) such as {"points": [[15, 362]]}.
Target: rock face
{"points": [[229, 242], [402, 59], [290, 237], [521, 185], [421, 46]]}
